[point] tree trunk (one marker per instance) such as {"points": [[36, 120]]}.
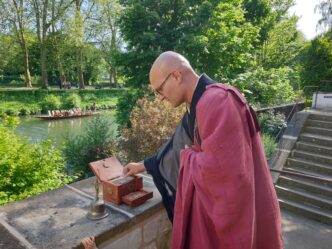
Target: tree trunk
{"points": [[20, 35], [43, 65], [113, 48], [80, 68], [26, 68], [79, 56], [114, 75]]}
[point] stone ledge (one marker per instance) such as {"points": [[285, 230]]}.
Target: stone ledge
{"points": [[57, 219]]}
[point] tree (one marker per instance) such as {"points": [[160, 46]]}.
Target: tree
{"points": [[282, 46], [325, 9], [316, 68], [16, 13], [264, 14], [104, 28], [47, 12], [226, 45]]}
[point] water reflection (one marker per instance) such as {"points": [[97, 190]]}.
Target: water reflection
{"points": [[37, 129]]}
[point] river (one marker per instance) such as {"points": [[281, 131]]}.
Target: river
{"points": [[56, 130]]}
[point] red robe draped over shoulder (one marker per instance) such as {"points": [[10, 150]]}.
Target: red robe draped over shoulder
{"points": [[225, 197]]}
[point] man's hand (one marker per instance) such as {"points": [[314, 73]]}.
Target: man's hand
{"points": [[133, 169]]}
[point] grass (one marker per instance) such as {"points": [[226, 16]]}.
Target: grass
{"points": [[25, 102]]}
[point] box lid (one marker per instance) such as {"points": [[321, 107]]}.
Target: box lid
{"points": [[107, 169]]}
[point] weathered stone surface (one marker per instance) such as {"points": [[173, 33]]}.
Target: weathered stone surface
{"points": [[151, 228], [132, 239], [151, 246], [57, 219], [8, 241], [86, 186]]}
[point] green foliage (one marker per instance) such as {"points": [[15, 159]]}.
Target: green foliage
{"points": [[266, 87], [227, 42], [269, 145], [23, 102], [316, 64], [71, 101], [271, 123], [26, 169], [125, 105], [50, 102], [325, 9], [282, 45], [152, 123], [95, 142]]}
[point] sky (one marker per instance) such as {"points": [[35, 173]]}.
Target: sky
{"points": [[305, 9]]}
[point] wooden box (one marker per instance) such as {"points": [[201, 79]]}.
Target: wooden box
{"points": [[137, 198], [114, 184]]}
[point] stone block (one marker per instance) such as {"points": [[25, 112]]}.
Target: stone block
{"points": [[150, 229], [151, 246], [131, 239]]}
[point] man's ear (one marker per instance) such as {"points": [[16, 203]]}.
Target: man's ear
{"points": [[178, 76]]}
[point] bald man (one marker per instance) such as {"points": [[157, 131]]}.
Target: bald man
{"points": [[212, 174]]}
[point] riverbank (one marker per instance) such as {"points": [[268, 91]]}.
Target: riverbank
{"points": [[34, 101]]}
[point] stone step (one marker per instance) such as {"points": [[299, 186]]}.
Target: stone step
{"points": [[321, 178], [313, 157], [302, 164], [317, 188], [318, 123], [326, 118], [314, 148], [304, 197], [316, 139], [307, 211], [318, 130]]}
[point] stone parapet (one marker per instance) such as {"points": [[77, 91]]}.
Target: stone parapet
{"points": [[57, 219]]}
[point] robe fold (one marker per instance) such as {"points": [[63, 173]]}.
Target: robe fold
{"points": [[225, 196]]}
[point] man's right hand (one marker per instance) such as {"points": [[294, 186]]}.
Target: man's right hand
{"points": [[133, 169]]}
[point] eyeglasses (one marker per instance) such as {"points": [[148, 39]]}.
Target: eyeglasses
{"points": [[158, 89]]}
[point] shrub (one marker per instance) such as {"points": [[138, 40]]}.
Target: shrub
{"points": [[124, 107], [269, 145], [24, 111], [152, 123], [72, 101], [267, 87], [50, 102], [12, 112], [271, 123], [95, 142], [26, 169]]}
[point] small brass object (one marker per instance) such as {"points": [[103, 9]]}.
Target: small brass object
{"points": [[98, 209]]}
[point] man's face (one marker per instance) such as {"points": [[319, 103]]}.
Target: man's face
{"points": [[165, 87]]}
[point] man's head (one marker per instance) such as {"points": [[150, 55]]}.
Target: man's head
{"points": [[172, 78]]}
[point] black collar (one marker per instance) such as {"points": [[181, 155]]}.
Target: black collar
{"points": [[203, 81]]}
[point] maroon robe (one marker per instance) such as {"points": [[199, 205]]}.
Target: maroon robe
{"points": [[225, 197]]}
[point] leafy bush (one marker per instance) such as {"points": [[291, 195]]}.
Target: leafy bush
{"points": [[26, 169], [12, 112], [271, 123], [267, 87], [95, 142], [124, 107], [152, 123], [316, 64], [72, 101], [50, 102], [269, 145]]}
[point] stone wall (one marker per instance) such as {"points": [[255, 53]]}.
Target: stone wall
{"points": [[152, 233], [57, 219]]}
